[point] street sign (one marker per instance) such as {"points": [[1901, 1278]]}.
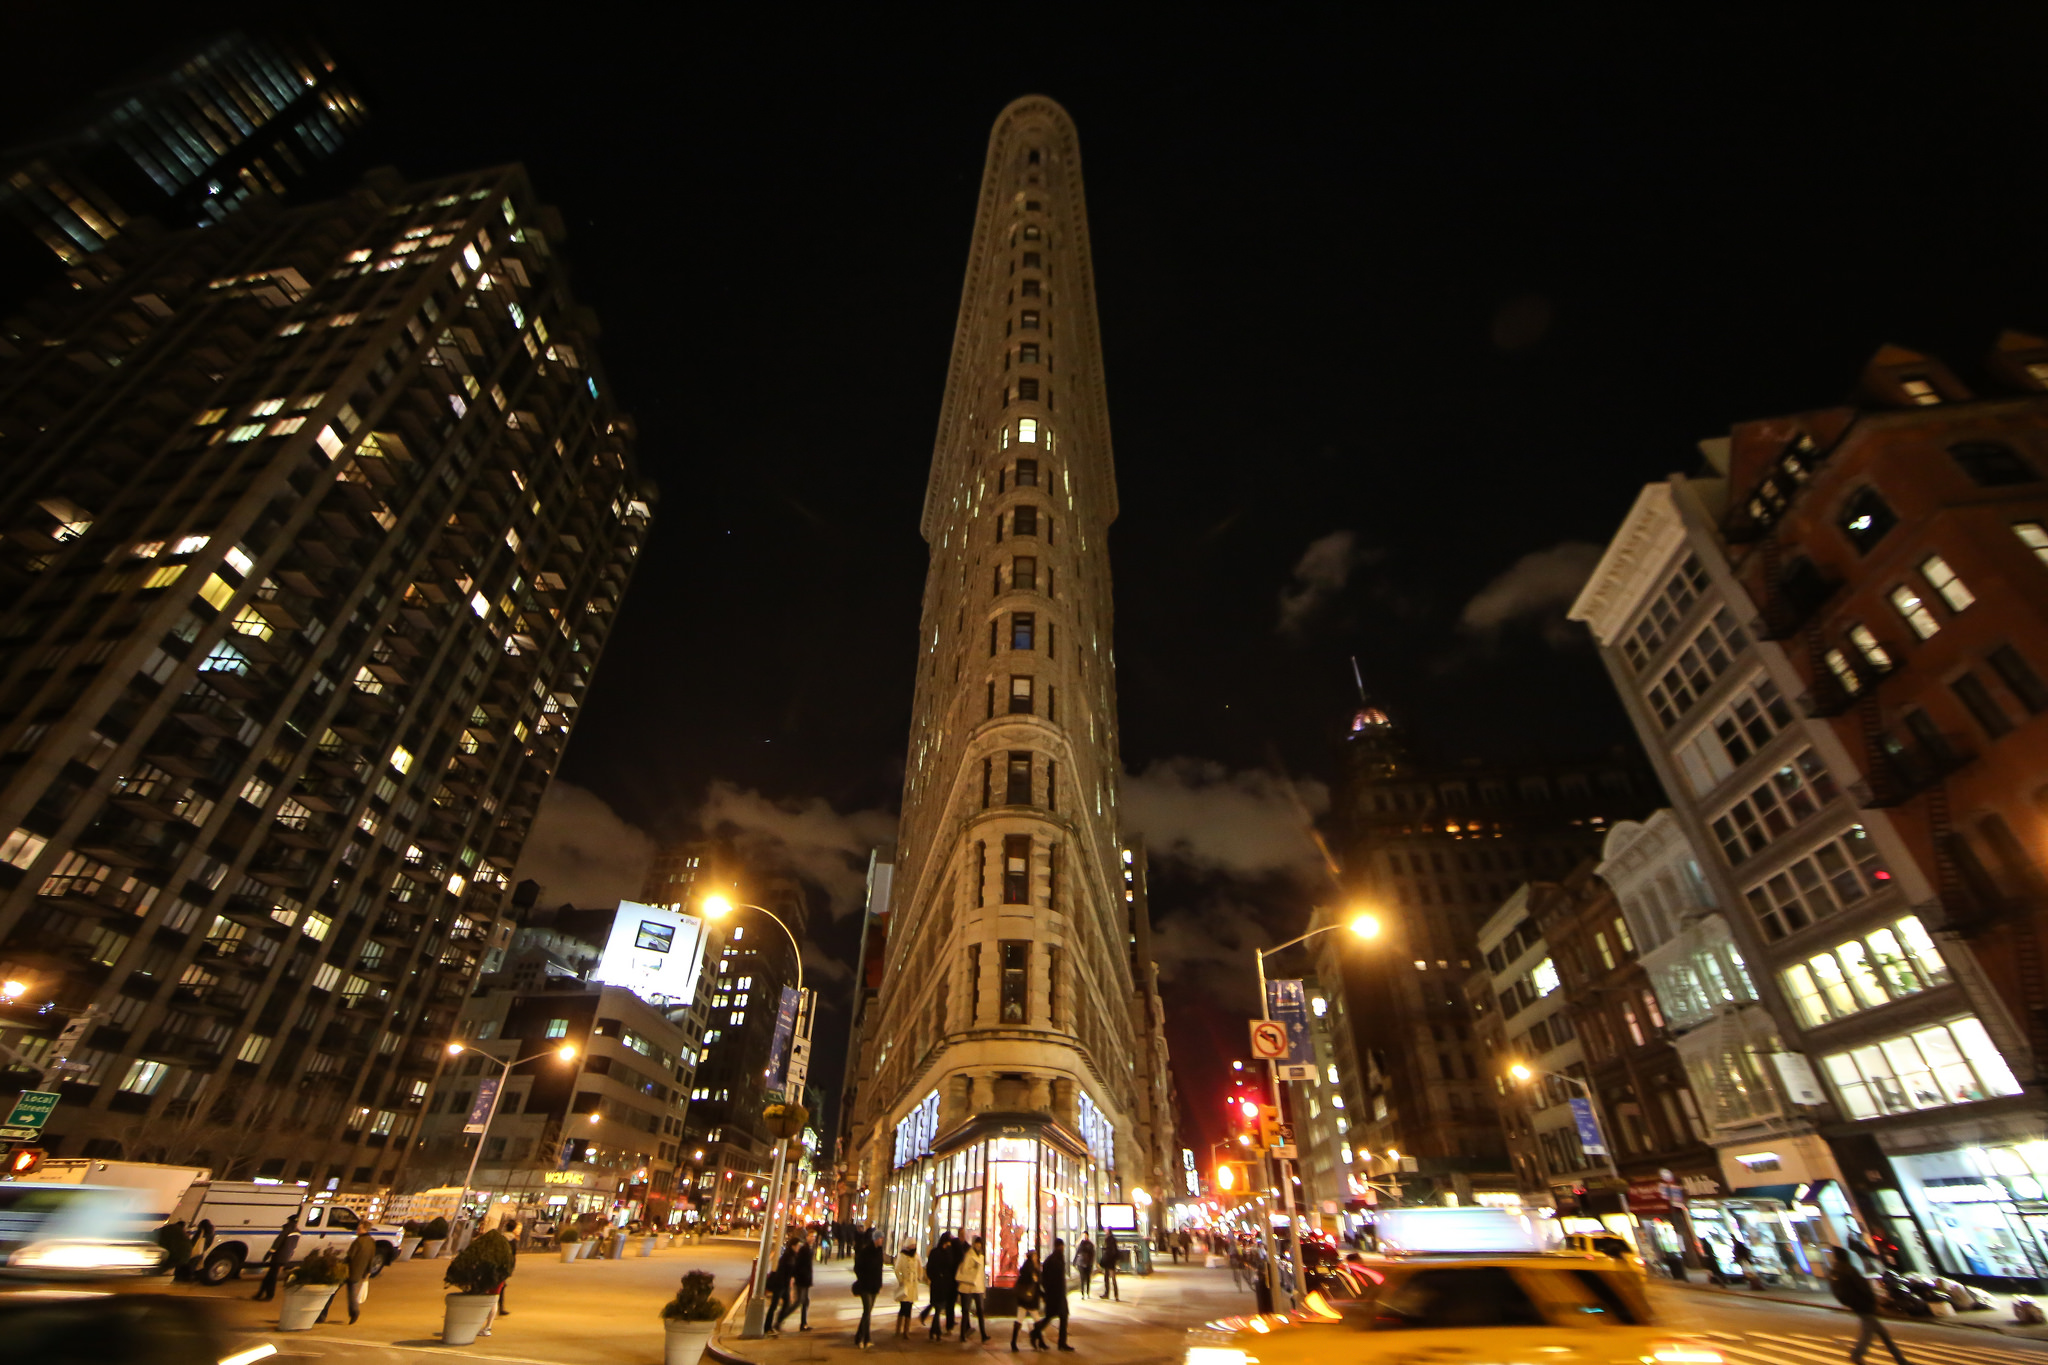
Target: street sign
{"points": [[1269, 1039], [1286, 1151], [1288, 1071], [31, 1111]]}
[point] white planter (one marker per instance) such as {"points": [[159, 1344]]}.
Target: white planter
{"points": [[297, 1307], [686, 1342], [466, 1316], [570, 1251], [584, 1248], [430, 1248], [410, 1248], [646, 1246]]}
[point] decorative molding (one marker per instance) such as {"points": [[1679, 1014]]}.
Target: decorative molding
{"points": [[1627, 573]]}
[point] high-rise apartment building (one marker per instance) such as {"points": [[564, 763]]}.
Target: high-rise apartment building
{"points": [[195, 138], [1000, 1063], [1831, 643], [317, 521], [1435, 848]]}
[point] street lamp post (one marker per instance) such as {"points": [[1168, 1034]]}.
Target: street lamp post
{"points": [[566, 1052], [1522, 1072], [757, 1307], [1365, 926]]}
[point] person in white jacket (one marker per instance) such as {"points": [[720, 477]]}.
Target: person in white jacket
{"points": [[908, 1273], [973, 1280]]}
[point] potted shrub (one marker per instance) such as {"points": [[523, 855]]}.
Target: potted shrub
{"points": [[434, 1236], [409, 1245], [689, 1318], [571, 1242], [475, 1274], [307, 1289], [647, 1235]]}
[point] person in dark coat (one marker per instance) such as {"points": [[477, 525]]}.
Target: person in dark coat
{"points": [[800, 1267], [1052, 1282], [1745, 1261], [867, 1283], [511, 1231], [1084, 1262], [936, 1277], [946, 1284], [1112, 1258], [778, 1288], [1028, 1297], [1854, 1293], [278, 1257]]}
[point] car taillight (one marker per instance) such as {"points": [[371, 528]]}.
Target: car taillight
{"points": [[1684, 1353]]}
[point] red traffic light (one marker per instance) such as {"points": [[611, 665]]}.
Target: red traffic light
{"points": [[24, 1160], [1250, 1110]]}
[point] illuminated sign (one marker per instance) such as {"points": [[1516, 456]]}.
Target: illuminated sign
{"points": [[563, 1177], [1118, 1217], [654, 951]]}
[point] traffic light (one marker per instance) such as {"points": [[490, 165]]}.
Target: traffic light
{"points": [[1269, 1126], [24, 1160], [1233, 1177]]}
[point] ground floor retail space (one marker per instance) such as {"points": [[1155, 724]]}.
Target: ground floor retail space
{"points": [[1979, 1212]]}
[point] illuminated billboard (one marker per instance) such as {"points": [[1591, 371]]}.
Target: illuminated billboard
{"points": [[655, 952]]}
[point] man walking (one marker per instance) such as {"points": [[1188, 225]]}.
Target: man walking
{"points": [[511, 1231], [934, 1263], [362, 1255], [278, 1257], [942, 1269], [1052, 1280], [799, 1284], [867, 1283], [1112, 1257], [1084, 1262], [1854, 1293]]}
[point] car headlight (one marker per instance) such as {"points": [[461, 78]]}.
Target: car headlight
{"points": [[1219, 1355], [87, 1256]]}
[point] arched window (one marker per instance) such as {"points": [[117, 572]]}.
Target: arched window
{"points": [[1027, 430]]}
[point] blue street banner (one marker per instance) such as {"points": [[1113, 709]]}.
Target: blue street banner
{"points": [[480, 1112], [785, 1029], [1590, 1140], [1287, 1004]]}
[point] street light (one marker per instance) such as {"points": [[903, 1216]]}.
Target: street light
{"points": [[1366, 925], [566, 1052], [1525, 1073], [11, 991]]}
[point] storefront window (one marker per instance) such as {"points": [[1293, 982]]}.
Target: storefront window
{"points": [[1953, 1063], [1887, 964]]}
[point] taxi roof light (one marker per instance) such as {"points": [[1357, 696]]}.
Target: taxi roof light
{"points": [[1684, 1353]]}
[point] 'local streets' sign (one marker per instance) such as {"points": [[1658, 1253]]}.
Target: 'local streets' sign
{"points": [[31, 1111]]}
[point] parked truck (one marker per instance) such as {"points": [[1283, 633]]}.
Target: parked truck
{"points": [[245, 1216]]}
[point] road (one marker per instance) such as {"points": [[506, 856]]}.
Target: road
{"points": [[606, 1313]]}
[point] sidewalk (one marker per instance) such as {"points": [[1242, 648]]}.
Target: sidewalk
{"points": [[1998, 1319], [1147, 1326]]}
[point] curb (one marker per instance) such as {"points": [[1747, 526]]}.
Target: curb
{"points": [[2000, 1329], [715, 1348]]}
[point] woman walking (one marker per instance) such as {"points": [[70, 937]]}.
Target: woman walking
{"points": [[867, 1283], [906, 1287], [973, 1280], [1027, 1295]]}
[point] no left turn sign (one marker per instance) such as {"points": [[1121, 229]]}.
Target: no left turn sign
{"points": [[1269, 1039]]}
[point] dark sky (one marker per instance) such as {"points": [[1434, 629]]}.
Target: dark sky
{"points": [[1458, 290]]}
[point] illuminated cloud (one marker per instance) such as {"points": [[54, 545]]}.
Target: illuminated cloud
{"points": [[1536, 588], [581, 851], [1321, 573], [1202, 815], [807, 837]]}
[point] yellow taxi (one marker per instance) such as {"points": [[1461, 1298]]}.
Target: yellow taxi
{"points": [[1536, 1309], [1604, 1244]]}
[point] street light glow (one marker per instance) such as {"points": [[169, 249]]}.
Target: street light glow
{"points": [[1520, 1072], [567, 1052], [11, 991], [454, 1049], [1366, 926], [717, 907]]}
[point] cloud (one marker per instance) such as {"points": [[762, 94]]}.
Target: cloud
{"points": [[1207, 949], [1320, 575], [809, 837], [1538, 586], [581, 851], [1198, 813]]}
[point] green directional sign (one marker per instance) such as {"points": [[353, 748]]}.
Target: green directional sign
{"points": [[32, 1109]]}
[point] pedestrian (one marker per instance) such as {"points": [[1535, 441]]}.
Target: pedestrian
{"points": [[867, 1283], [1112, 1257], [942, 1268], [1028, 1297], [934, 1275], [1745, 1261], [1084, 1262], [778, 1288], [972, 1277], [907, 1275], [278, 1257], [202, 1246], [1052, 1280], [1854, 1293], [799, 1284], [362, 1258], [511, 1231]]}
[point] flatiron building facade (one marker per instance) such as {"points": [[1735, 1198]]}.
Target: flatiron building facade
{"points": [[314, 527], [1001, 1075]]}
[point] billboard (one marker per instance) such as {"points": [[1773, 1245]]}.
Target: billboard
{"points": [[654, 951]]}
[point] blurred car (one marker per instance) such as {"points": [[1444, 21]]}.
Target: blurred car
{"points": [[1445, 1311], [1604, 1244], [68, 1232], [100, 1327]]}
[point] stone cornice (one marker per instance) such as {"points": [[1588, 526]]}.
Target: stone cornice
{"points": [[1648, 536]]}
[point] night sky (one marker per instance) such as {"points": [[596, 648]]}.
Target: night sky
{"points": [[1398, 319]]}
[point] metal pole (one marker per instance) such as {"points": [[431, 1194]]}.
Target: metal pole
{"points": [[757, 1305], [504, 1074], [1599, 1121], [1286, 1175], [1265, 1217]]}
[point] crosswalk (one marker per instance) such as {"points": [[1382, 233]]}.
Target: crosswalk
{"points": [[1807, 1348]]}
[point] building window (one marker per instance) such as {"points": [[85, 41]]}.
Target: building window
{"points": [[1838, 664], [2034, 536], [1733, 736], [1839, 873], [1032, 260], [974, 981], [1016, 869], [1952, 1063], [987, 768], [1992, 464], [1908, 604], [1027, 391], [1017, 784], [1866, 518], [1971, 691], [1020, 696], [1027, 434], [981, 846], [1944, 581], [1794, 793], [1016, 986], [1024, 573], [1028, 320], [1022, 624], [1052, 986], [1874, 654], [992, 638], [1030, 232], [1919, 391], [1027, 353], [1886, 964], [991, 699], [1664, 615], [1028, 288], [143, 1077], [1052, 785], [1024, 521], [2020, 678], [1704, 659]]}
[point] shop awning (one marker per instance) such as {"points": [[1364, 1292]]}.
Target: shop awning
{"points": [[1009, 1125], [1782, 1193]]}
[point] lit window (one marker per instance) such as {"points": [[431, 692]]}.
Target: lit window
{"points": [[239, 561], [2034, 536], [216, 591], [1908, 604], [1838, 664], [401, 759], [1027, 431], [1952, 1063], [558, 1028], [1920, 391], [267, 407], [480, 604], [1944, 581], [1874, 654], [190, 545], [1866, 518], [248, 431], [1029, 320], [144, 1077]]}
